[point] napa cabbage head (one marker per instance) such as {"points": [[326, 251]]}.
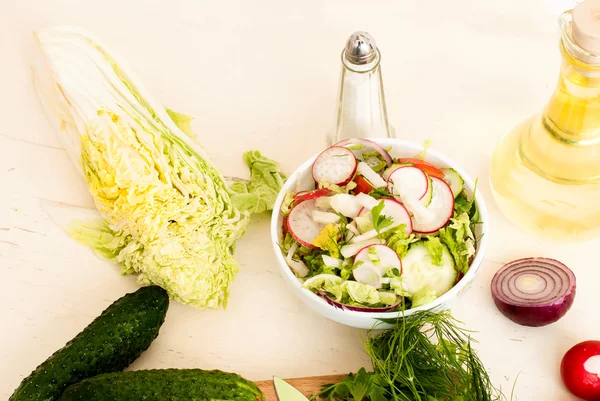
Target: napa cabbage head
{"points": [[167, 213]]}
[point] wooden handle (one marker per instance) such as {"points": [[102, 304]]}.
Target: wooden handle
{"points": [[306, 385]]}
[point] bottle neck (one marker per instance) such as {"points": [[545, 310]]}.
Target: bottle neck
{"points": [[573, 113], [362, 111]]}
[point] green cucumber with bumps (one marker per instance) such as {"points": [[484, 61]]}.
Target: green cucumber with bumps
{"points": [[109, 344], [163, 385]]}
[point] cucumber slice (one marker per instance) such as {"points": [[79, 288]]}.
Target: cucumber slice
{"points": [[421, 277], [426, 200], [454, 180]]}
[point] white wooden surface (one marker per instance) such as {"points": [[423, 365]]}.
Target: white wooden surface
{"points": [[264, 74]]}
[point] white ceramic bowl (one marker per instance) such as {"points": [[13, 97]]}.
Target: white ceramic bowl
{"points": [[301, 179]]}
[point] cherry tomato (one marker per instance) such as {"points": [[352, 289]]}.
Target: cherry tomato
{"points": [[580, 370], [429, 168], [362, 185]]}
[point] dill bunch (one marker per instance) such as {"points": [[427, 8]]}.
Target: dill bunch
{"points": [[426, 356]]}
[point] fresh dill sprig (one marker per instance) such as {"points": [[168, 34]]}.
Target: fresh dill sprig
{"points": [[426, 356]]}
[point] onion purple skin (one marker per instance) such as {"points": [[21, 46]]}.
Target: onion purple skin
{"points": [[536, 316], [354, 141], [533, 315], [342, 306]]}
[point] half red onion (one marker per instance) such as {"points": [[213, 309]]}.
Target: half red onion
{"points": [[365, 142], [534, 291], [342, 306]]}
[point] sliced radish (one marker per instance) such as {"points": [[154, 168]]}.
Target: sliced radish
{"points": [[394, 210], [345, 204], [366, 201], [392, 168], [325, 217], [365, 142], [439, 210], [308, 195], [373, 178], [408, 182], [350, 250], [301, 224], [335, 165], [369, 274], [379, 255]]}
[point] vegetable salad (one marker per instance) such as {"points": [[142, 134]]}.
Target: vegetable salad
{"points": [[378, 233]]}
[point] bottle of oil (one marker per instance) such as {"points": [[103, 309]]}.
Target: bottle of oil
{"points": [[545, 174], [361, 109]]}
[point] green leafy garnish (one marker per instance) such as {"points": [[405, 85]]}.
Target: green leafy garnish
{"points": [[381, 193], [380, 221]]}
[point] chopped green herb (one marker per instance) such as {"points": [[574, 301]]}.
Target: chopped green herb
{"points": [[380, 221]]}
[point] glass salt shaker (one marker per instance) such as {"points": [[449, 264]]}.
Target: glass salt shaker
{"points": [[361, 108]]}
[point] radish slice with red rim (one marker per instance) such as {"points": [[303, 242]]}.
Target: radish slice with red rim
{"points": [[381, 256], [369, 274], [342, 306], [408, 181], [365, 142], [335, 165], [428, 220], [301, 225], [534, 291], [315, 194]]}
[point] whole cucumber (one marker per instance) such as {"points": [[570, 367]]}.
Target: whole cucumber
{"points": [[163, 385], [109, 344]]}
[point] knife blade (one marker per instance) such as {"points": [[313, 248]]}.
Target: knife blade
{"points": [[287, 392]]}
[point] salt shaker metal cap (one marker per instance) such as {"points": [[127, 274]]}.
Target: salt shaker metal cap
{"points": [[360, 48]]}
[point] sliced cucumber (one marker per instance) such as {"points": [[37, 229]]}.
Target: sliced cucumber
{"points": [[426, 200], [454, 180], [421, 276]]}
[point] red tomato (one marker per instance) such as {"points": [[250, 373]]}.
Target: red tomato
{"points": [[429, 168], [308, 195], [362, 185], [580, 370]]}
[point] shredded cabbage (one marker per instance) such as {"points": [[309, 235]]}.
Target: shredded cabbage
{"points": [[167, 212]]}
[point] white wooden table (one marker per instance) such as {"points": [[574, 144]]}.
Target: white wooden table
{"points": [[264, 74]]}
